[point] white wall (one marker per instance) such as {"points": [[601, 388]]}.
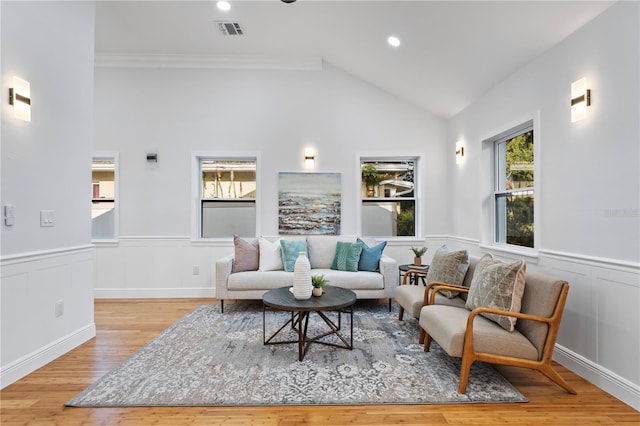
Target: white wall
{"points": [[588, 188], [273, 114], [46, 166]]}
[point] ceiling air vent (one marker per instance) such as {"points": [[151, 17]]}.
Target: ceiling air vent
{"points": [[230, 28]]}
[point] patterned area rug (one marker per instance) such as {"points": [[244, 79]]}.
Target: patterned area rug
{"points": [[213, 359]]}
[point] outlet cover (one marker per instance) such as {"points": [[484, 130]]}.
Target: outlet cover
{"points": [[59, 308], [46, 218]]}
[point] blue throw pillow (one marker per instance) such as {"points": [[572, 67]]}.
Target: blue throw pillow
{"points": [[370, 256], [347, 256], [290, 251]]}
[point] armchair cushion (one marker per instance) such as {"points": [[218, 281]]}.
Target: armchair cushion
{"points": [[448, 267], [447, 325], [497, 285]]}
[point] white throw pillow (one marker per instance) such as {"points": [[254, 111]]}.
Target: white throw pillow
{"points": [[270, 255]]}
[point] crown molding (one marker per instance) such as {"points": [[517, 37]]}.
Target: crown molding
{"points": [[293, 63]]}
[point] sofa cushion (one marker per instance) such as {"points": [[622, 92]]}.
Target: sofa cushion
{"points": [[258, 280], [246, 256], [347, 256], [362, 280], [270, 255], [290, 251], [370, 256], [322, 249], [498, 285], [449, 267]]}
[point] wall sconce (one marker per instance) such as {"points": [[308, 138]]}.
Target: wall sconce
{"points": [[580, 99], [309, 158], [152, 159], [20, 98], [459, 152]]}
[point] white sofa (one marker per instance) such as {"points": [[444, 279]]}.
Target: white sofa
{"points": [[321, 249]]}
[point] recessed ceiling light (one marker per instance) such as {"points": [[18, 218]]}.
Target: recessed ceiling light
{"points": [[223, 5], [393, 41]]}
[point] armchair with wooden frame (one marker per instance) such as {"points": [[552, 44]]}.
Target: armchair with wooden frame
{"points": [[472, 337]]}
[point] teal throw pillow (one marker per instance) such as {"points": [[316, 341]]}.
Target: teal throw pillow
{"points": [[370, 256], [290, 251], [347, 256]]}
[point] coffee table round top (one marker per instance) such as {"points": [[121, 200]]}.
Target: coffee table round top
{"points": [[332, 299]]}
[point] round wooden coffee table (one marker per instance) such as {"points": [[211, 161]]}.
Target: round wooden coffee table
{"points": [[337, 299]]}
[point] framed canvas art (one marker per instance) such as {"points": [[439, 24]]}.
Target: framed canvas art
{"points": [[309, 203]]}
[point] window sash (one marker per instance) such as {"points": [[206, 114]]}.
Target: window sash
{"points": [[228, 197], [514, 220]]}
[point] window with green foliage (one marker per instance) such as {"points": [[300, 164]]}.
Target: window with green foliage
{"points": [[514, 188], [388, 195]]}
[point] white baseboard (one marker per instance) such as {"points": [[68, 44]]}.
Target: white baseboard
{"points": [[31, 362], [153, 293], [624, 390]]}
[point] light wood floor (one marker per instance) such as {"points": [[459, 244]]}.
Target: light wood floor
{"points": [[126, 325]]}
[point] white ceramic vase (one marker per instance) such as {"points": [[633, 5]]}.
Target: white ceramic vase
{"points": [[302, 287]]}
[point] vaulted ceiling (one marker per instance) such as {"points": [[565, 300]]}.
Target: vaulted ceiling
{"points": [[451, 52]]}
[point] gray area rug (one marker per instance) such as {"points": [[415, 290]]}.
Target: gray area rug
{"points": [[213, 359]]}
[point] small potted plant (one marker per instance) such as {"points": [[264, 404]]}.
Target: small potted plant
{"points": [[418, 252], [318, 282]]}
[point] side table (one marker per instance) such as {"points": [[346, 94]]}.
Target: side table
{"points": [[413, 278]]}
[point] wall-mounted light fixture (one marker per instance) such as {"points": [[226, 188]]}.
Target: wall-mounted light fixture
{"points": [[309, 158], [580, 99], [459, 152], [20, 98]]}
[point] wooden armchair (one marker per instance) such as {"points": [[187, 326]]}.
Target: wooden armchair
{"points": [[467, 334]]}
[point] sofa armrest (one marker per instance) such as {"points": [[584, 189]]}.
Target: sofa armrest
{"points": [[224, 266], [389, 270]]}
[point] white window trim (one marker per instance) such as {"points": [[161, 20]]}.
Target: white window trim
{"points": [[419, 208], [488, 234], [115, 157], [196, 212]]}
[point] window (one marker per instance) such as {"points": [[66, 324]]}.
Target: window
{"points": [[514, 187], [227, 197], [103, 198], [388, 197]]}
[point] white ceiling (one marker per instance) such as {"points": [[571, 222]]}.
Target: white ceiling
{"points": [[451, 53]]}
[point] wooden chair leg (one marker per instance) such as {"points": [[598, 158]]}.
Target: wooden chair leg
{"points": [[426, 339], [465, 368], [553, 375], [400, 313]]}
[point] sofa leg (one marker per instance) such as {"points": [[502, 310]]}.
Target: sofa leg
{"points": [[390, 304], [400, 313], [222, 306]]}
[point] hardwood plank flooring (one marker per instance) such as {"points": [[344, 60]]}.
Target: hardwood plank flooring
{"points": [[123, 326]]}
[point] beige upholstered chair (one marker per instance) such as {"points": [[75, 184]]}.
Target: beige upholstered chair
{"points": [[466, 334], [411, 298]]}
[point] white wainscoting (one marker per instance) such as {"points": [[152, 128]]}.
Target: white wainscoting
{"points": [[33, 334], [157, 267], [600, 332]]}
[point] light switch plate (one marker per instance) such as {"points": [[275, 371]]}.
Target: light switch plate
{"points": [[9, 216]]}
